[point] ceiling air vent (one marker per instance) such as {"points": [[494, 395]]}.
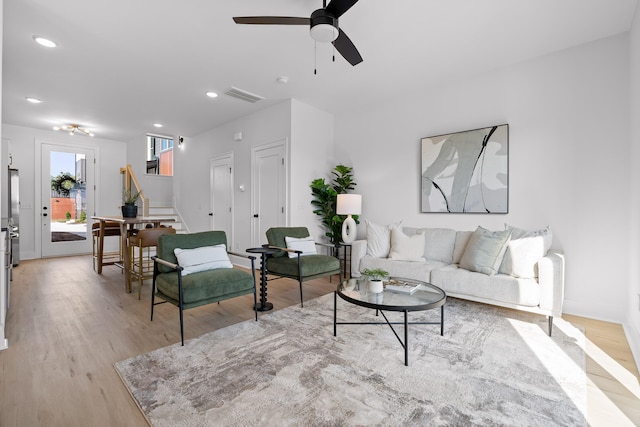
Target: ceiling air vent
{"points": [[243, 95]]}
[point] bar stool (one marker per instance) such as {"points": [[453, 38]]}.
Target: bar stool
{"points": [[111, 228], [142, 246]]}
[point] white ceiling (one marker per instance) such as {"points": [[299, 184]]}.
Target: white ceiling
{"points": [[122, 65]]}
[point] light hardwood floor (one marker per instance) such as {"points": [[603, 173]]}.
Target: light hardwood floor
{"points": [[67, 326]]}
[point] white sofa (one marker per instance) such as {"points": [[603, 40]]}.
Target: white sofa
{"points": [[528, 279]]}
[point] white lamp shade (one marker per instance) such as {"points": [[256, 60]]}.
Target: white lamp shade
{"points": [[349, 204]]}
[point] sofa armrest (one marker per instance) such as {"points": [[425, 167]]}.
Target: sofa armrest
{"points": [[358, 251], [551, 280]]}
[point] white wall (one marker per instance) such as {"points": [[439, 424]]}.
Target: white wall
{"points": [[110, 157], [191, 168], [312, 147], [569, 139], [309, 133], [632, 324], [158, 189]]}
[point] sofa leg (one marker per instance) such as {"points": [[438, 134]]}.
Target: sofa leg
{"points": [[550, 324]]}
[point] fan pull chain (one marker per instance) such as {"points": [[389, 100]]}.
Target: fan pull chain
{"points": [[334, 52], [315, 58]]}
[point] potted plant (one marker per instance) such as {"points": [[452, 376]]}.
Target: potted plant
{"points": [[325, 198], [129, 209], [375, 276]]}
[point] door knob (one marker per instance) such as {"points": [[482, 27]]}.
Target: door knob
{"points": [[255, 215]]}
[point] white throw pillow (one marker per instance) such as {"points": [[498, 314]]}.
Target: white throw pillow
{"points": [[406, 248], [524, 251], [379, 239], [202, 258], [485, 250], [305, 244]]}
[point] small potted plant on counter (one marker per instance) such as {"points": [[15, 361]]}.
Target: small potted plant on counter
{"points": [[129, 209]]}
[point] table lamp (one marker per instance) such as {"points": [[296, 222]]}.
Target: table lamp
{"points": [[349, 204]]}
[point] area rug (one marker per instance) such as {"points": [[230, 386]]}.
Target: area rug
{"points": [[492, 367]]}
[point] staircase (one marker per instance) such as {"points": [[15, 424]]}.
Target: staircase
{"points": [[130, 182], [170, 211]]}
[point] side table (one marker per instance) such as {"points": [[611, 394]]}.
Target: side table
{"points": [[264, 252], [346, 247]]}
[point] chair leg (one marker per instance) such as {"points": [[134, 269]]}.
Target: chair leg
{"points": [[301, 300], [141, 273], [255, 302], [180, 306], [550, 324], [181, 326]]}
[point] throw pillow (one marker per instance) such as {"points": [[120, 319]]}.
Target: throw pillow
{"points": [[485, 250], [379, 239], [406, 248], [524, 251], [202, 259], [305, 244]]}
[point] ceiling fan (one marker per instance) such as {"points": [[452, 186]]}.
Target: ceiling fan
{"points": [[323, 24]]}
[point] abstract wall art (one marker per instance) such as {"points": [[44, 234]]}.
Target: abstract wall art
{"points": [[466, 172]]}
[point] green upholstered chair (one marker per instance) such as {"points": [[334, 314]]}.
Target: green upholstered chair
{"points": [[196, 289], [300, 267]]}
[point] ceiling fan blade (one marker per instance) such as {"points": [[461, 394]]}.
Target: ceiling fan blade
{"points": [[338, 7], [271, 20], [347, 49]]}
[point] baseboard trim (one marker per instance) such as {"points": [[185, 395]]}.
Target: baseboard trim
{"points": [[633, 338]]}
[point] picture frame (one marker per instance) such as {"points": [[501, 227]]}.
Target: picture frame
{"points": [[466, 172]]}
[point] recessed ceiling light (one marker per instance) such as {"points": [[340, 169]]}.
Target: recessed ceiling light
{"points": [[212, 94], [158, 125], [33, 100], [44, 42]]}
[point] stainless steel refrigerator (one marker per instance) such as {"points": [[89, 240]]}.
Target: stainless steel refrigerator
{"points": [[13, 220]]}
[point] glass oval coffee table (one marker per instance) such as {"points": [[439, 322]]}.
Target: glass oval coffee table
{"points": [[408, 295]]}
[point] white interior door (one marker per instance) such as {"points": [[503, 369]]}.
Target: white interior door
{"points": [[66, 210], [268, 189], [221, 190]]}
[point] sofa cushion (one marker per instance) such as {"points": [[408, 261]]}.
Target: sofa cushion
{"points": [[524, 251], [379, 239], [405, 269], [438, 242], [485, 250], [500, 288], [202, 258], [305, 244], [406, 248], [461, 241]]}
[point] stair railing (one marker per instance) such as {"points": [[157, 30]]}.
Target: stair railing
{"points": [[129, 180]]}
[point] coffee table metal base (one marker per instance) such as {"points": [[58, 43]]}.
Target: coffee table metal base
{"points": [[406, 323]]}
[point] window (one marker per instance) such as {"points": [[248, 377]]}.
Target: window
{"points": [[159, 155]]}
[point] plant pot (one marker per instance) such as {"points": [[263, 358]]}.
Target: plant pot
{"points": [[129, 211], [376, 286]]}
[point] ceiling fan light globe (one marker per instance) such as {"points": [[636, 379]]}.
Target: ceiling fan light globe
{"points": [[324, 33]]}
